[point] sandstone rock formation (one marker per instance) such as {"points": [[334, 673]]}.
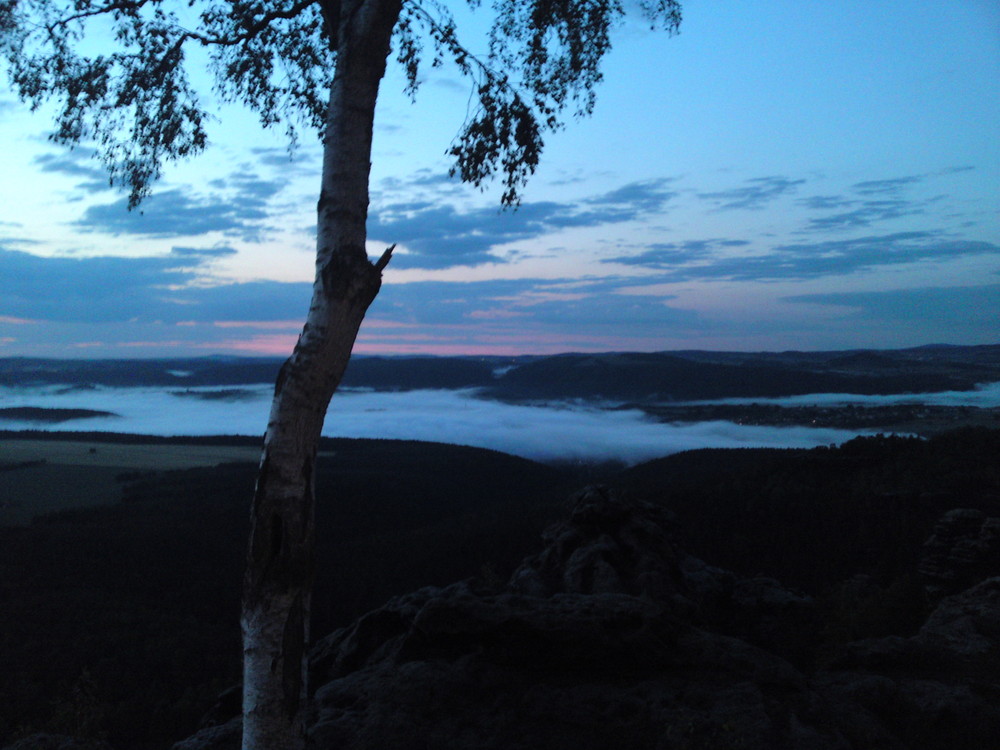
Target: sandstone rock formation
{"points": [[612, 636], [591, 645], [939, 688], [963, 549]]}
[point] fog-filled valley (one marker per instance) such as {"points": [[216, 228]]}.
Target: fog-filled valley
{"points": [[547, 432], [614, 407]]}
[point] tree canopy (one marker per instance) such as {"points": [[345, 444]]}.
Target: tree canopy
{"points": [[137, 103]]}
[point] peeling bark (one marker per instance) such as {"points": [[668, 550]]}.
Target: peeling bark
{"points": [[280, 559]]}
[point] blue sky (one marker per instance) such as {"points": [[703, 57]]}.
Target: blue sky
{"points": [[780, 175]]}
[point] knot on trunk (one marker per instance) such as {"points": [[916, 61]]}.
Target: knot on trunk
{"points": [[349, 276]]}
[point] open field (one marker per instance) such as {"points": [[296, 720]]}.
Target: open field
{"points": [[125, 457], [42, 476]]}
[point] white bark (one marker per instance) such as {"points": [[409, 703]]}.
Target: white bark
{"points": [[278, 581]]}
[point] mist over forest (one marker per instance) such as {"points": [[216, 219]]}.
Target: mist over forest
{"points": [[625, 407]]}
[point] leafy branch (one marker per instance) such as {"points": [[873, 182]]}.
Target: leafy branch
{"points": [[543, 56], [279, 58]]}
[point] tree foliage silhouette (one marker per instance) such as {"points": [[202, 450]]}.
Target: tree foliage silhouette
{"points": [[306, 65]]}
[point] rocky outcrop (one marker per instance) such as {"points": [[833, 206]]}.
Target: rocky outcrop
{"points": [[613, 636], [964, 548], [937, 689], [596, 642]]}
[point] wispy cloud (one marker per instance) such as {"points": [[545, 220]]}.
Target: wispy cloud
{"points": [[671, 255], [176, 213], [971, 307], [826, 202], [868, 203], [530, 301], [440, 235], [754, 194], [85, 289], [299, 160], [812, 260], [79, 162], [217, 251], [864, 214], [240, 204], [250, 187], [890, 186]]}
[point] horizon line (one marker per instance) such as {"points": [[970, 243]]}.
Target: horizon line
{"points": [[499, 355]]}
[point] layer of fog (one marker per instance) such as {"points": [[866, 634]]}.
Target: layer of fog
{"points": [[556, 432], [985, 395]]}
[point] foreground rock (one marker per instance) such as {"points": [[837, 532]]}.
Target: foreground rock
{"points": [[963, 549], [591, 645], [612, 636]]}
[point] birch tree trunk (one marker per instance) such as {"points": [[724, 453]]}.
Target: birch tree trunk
{"points": [[278, 580]]}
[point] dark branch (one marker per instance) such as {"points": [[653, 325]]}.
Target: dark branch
{"points": [[382, 262], [253, 31], [117, 5]]}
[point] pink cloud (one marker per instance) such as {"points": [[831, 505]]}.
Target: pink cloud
{"points": [[457, 350], [495, 313], [466, 340], [525, 299], [263, 324], [383, 323], [142, 344], [266, 344]]}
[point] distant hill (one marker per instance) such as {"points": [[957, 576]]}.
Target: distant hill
{"points": [[666, 377], [661, 376]]}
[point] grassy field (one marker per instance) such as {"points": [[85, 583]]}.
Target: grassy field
{"points": [[134, 457], [41, 476]]}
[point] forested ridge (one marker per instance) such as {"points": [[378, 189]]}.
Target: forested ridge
{"points": [[624, 375]]}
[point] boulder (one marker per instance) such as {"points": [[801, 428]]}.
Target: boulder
{"points": [[963, 549], [613, 636], [935, 689], [592, 644]]}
